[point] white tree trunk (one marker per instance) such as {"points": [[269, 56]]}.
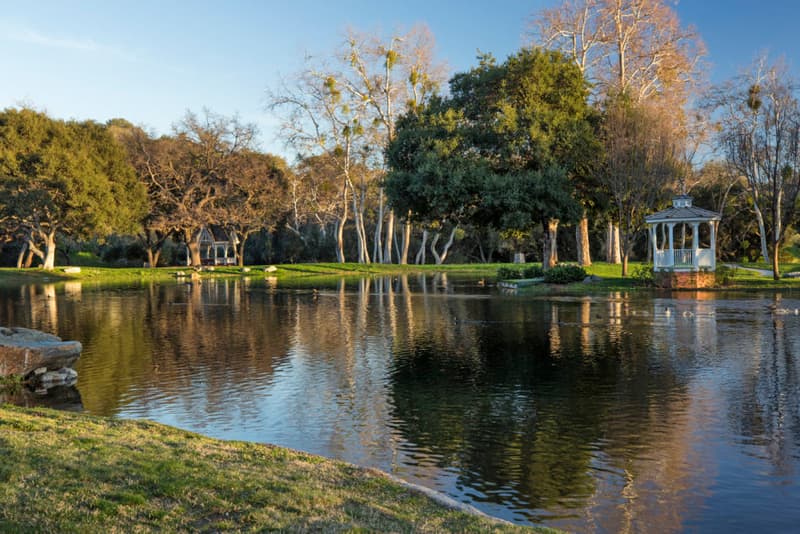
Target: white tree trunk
{"points": [[406, 242], [377, 252], [420, 259], [387, 250], [441, 257], [340, 230], [613, 252], [550, 245], [582, 238], [762, 232], [50, 251]]}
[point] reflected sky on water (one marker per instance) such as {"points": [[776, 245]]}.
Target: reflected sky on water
{"points": [[614, 413]]}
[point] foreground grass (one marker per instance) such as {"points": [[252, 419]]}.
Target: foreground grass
{"points": [[62, 472]]}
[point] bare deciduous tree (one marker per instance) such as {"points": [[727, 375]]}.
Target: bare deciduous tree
{"points": [[640, 161], [759, 132], [632, 47]]}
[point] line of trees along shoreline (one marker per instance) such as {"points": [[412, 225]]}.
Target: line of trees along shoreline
{"points": [[557, 152]]}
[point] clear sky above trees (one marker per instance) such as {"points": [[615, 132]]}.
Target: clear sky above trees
{"points": [[149, 61]]}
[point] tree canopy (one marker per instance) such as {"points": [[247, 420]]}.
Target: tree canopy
{"points": [[501, 150], [69, 177]]}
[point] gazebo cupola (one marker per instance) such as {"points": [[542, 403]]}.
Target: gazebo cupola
{"points": [[684, 239]]}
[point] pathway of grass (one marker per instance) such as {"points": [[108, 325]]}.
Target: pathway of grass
{"points": [[63, 472]]}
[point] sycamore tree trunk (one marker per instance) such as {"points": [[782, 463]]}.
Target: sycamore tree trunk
{"points": [[153, 256], [49, 251], [387, 245], [48, 255], [420, 259], [340, 229], [627, 245], [440, 257], [762, 232], [21, 258], [358, 220], [550, 244], [377, 252], [193, 246], [406, 241], [613, 253], [776, 269], [239, 249], [582, 238]]}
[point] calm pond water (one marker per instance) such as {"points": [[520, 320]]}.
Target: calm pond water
{"points": [[618, 413]]}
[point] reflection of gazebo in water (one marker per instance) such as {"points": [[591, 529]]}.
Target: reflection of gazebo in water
{"points": [[692, 264]]}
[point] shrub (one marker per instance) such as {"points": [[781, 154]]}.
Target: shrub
{"points": [[533, 271], [643, 274], [509, 273], [724, 275], [564, 274]]}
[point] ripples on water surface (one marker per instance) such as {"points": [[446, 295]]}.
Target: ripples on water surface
{"points": [[614, 413]]}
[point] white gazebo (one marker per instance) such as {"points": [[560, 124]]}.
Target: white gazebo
{"points": [[697, 250]]}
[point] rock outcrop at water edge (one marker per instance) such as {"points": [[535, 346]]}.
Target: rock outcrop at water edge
{"points": [[27, 353]]}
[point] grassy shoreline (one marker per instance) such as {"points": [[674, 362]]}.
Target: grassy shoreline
{"points": [[65, 472], [610, 275]]}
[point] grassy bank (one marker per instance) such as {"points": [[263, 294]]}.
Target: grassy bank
{"points": [[282, 272], [62, 472], [291, 274]]}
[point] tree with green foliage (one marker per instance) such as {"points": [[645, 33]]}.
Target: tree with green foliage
{"points": [[509, 139], [63, 177]]}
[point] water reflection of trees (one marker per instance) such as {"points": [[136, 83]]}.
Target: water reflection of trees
{"points": [[584, 409], [764, 402], [546, 405], [145, 338]]}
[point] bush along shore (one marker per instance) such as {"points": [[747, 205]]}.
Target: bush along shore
{"points": [[64, 472]]}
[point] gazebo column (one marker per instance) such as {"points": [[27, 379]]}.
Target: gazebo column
{"points": [[713, 233], [671, 227], [654, 241], [695, 246]]}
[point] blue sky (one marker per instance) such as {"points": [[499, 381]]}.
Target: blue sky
{"points": [[149, 61]]}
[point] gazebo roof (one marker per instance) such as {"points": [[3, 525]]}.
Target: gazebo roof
{"points": [[682, 211]]}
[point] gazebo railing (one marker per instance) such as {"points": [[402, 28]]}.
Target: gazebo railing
{"points": [[684, 257]]}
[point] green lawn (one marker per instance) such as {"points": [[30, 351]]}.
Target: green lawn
{"points": [[64, 472], [303, 273]]}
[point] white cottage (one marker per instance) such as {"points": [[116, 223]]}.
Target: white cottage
{"points": [[684, 240]]}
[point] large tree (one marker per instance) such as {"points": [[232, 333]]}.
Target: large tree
{"points": [[641, 161], [635, 48], [759, 132], [345, 108], [320, 121], [509, 136], [253, 197], [63, 177], [390, 76], [532, 115], [151, 159], [189, 173]]}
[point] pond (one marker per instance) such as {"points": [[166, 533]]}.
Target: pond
{"points": [[621, 412]]}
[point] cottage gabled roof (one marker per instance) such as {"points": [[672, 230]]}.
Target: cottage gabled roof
{"points": [[683, 211]]}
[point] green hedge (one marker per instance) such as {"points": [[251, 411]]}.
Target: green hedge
{"points": [[564, 274]]}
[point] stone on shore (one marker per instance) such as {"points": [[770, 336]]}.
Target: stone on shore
{"points": [[23, 351]]}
